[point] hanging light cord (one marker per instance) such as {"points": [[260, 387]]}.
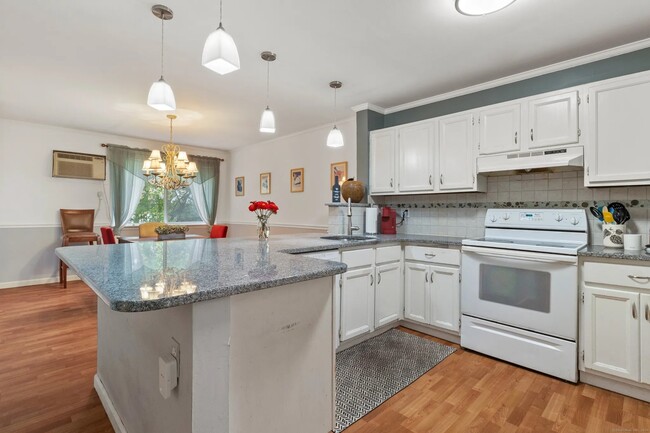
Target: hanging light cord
{"points": [[268, 73], [220, 12], [171, 131], [334, 113], [162, 47]]}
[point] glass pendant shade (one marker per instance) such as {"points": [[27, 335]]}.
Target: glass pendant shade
{"points": [[220, 52], [335, 138], [267, 123], [161, 96], [481, 7]]}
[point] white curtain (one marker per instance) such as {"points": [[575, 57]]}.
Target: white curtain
{"points": [[205, 189], [127, 182]]}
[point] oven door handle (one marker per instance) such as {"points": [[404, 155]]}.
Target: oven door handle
{"points": [[521, 255]]}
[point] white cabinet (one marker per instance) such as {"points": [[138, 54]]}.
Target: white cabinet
{"points": [[499, 129], [612, 332], [357, 302], [645, 338], [456, 155], [552, 120], [432, 291], [617, 150], [416, 285], [415, 144], [382, 161], [388, 293]]}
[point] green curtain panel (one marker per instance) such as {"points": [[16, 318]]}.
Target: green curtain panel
{"points": [[205, 188], [126, 180]]}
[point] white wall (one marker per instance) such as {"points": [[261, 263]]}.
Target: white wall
{"points": [[306, 149], [31, 197]]}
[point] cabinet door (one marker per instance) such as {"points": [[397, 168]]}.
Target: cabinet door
{"points": [[617, 152], [457, 159], [444, 299], [553, 120], [415, 149], [612, 332], [382, 161], [416, 282], [357, 302], [645, 338], [499, 129], [388, 293]]}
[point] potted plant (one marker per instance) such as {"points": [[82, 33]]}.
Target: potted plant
{"points": [[263, 210], [168, 231]]}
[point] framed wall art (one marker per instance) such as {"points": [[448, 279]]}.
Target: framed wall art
{"points": [[297, 180], [339, 169], [240, 186], [265, 183]]}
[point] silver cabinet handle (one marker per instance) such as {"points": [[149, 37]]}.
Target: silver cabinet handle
{"points": [[391, 182], [426, 277], [515, 138], [379, 278], [442, 179], [638, 277], [431, 279], [531, 134], [647, 313], [634, 310], [430, 180], [429, 255]]}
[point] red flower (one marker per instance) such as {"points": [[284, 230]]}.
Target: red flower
{"points": [[252, 207], [263, 205]]}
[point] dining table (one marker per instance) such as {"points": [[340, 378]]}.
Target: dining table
{"points": [[132, 239]]}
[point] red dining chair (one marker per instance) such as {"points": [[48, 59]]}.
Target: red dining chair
{"points": [[218, 231], [108, 236]]}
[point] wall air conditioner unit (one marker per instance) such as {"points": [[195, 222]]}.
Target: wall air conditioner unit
{"points": [[78, 165]]}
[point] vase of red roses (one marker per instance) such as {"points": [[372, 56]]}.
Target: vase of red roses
{"points": [[263, 210]]}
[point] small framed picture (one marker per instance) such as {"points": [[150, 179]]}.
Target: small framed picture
{"points": [[297, 180], [240, 186], [265, 183], [339, 169]]}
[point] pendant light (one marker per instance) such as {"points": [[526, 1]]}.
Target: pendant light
{"points": [[481, 7], [267, 123], [220, 52], [335, 138], [161, 96]]}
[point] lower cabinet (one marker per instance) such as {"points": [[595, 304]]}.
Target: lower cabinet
{"points": [[432, 293], [357, 302], [615, 320], [388, 293]]}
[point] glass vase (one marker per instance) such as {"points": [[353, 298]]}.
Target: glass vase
{"points": [[263, 229]]}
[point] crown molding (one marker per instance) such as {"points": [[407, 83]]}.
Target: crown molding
{"points": [[368, 106], [567, 64]]}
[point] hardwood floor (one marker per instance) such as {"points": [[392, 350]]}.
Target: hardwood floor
{"points": [[48, 342]]}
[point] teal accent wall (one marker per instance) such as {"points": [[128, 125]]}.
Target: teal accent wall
{"points": [[624, 64]]}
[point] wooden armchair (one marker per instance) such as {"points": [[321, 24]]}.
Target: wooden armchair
{"points": [[77, 226]]}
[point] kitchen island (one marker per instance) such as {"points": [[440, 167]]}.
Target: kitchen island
{"points": [[249, 328]]}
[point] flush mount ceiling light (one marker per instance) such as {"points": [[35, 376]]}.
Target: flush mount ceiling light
{"points": [[481, 7], [335, 138], [220, 52], [161, 96], [267, 123]]}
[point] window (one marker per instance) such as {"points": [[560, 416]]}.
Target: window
{"points": [[158, 204]]}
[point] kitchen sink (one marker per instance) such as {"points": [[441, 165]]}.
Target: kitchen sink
{"points": [[347, 238]]}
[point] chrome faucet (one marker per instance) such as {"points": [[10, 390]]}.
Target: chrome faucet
{"points": [[351, 228]]}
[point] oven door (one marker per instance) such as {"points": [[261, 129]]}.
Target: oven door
{"points": [[533, 291]]}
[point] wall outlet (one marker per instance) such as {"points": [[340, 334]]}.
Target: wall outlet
{"points": [[176, 353], [100, 195]]}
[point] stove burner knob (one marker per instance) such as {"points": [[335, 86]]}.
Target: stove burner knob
{"points": [[574, 221], [493, 218], [559, 217], [506, 217]]}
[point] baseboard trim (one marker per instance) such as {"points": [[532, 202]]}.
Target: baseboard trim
{"points": [[36, 281], [434, 332], [621, 386], [113, 417]]}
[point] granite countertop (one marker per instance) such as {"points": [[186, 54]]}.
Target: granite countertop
{"points": [[128, 277], [613, 253]]}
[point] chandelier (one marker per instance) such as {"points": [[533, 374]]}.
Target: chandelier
{"points": [[171, 169]]}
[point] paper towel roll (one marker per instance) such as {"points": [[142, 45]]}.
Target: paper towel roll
{"points": [[371, 220]]}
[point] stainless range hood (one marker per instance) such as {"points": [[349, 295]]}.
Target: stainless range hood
{"points": [[569, 158]]}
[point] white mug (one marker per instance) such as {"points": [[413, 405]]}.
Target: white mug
{"points": [[632, 242]]}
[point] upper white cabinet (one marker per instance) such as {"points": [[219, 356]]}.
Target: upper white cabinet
{"points": [[415, 144], [457, 155], [618, 152], [499, 129], [382, 155], [552, 120]]}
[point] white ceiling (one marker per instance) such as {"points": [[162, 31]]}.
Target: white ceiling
{"points": [[89, 64]]}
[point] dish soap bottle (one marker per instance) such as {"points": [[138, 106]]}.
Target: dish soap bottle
{"points": [[336, 191]]}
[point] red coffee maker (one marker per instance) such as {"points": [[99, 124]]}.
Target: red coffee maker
{"points": [[388, 221]]}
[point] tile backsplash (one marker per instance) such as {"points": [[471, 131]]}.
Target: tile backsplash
{"points": [[463, 214]]}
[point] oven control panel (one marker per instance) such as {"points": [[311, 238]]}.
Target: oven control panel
{"points": [[542, 219]]}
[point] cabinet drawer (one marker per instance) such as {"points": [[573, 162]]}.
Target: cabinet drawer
{"points": [[618, 275], [433, 255], [358, 258], [388, 254]]}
